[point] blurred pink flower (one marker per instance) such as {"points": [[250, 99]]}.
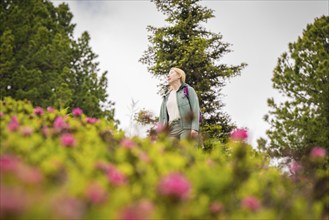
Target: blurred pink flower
{"points": [[160, 127], [12, 201], [38, 111], [96, 193], [9, 163], [68, 140], [91, 120], [77, 112], [102, 166], [153, 137], [141, 210], [294, 167], [175, 186], [26, 131], [216, 207], [210, 162], [144, 157], [318, 152], [45, 131], [251, 203], [239, 134], [68, 208], [29, 174], [50, 109], [1, 114], [59, 123], [13, 124], [115, 176], [127, 143]]}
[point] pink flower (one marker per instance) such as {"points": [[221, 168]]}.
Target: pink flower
{"points": [[26, 131], [8, 163], [12, 201], [127, 143], [68, 208], [45, 131], [1, 114], [13, 124], [174, 186], [50, 109], [216, 207], [29, 174], [318, 152], [38, 111], [210, 162], [160, 128], [91, 120], [59, 123], [115, 176], [294, 167], [239, 134], [102, 166], [95, 193], [250, 203], [68, 140], [77, 112], [144, 157], [141, 210]]}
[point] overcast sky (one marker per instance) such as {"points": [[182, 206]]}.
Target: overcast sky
{"points": [[259, 32]]}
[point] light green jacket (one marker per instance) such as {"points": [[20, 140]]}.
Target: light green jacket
{"points": [[186, 107]]}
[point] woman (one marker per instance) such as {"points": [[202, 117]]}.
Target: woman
{"points": [[180, 107]]}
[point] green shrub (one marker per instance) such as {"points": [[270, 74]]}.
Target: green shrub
{"points": [[60, 165]]}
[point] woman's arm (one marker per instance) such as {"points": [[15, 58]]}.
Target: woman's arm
{"points": [[194, 102], [163, 113]]}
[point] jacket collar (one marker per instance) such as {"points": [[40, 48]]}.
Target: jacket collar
{"points": [[181, 87]]}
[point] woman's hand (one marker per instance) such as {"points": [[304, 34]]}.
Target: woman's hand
{"points": [[194, 133]]}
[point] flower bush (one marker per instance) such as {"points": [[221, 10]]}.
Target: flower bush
{"points": [[63, 165]]}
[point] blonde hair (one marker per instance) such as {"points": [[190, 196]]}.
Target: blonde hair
{"points": [[181, 74]]}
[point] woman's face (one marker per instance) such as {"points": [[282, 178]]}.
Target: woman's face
{"points": [[173, 76]]}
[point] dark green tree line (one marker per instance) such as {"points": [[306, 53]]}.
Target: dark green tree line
{"points": [[42, 62]]}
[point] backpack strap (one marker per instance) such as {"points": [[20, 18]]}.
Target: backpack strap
{"points": [[186, 94]]}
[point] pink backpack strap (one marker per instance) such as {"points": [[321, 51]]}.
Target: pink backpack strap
{"points": [[186, 91]]}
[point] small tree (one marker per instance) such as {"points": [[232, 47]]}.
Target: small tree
{"points": [[302, 76], [88, 88]]}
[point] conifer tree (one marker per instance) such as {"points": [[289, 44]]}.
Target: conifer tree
{"points": [[186, 44], [89, 88], [41, 61], [302, 76]]}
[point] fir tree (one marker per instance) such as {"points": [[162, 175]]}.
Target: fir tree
{"points": [[40, 60], [301, 122], [186, 44]]}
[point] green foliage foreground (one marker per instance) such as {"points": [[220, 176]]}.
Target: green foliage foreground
{"points": [[56, 165]]}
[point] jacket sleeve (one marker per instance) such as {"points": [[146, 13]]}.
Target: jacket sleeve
{"points": [[163, 112], [194, 102]]}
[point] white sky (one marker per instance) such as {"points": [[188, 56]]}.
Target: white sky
{"points": [[259, 32]]}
